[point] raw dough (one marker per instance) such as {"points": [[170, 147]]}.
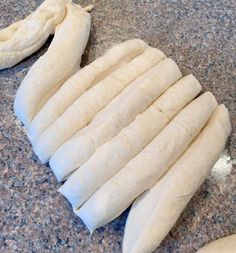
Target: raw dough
{"points": [[113, 155], [60, 61], [143, 171], [81, 112], [26, 36], [222, 245], [155, 212], [116, 115], [76, 85]]}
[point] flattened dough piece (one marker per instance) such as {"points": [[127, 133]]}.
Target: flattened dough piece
{"points": [[81, 112], [143, 171], [26, 36], [116, 115], [113, 155], [77, 84], [223, 245], [155, 212], [60, 61]]}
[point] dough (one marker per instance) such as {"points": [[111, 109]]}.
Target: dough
{"points": [[117, 114], [143, 171], [155, 212], [116, 153], [81, 112], [222, 245], [60, 61], [81, 81], [23, 38]]}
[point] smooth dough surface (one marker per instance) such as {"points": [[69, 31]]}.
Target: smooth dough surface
{"points": [[155, 212], [113, 155], [81, 112], [223, 245], [144, 170], [60, 61], [81, 81]]}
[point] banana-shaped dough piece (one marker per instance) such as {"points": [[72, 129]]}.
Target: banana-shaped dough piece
{"points": [[155, 212], [87, 77], [60, 61], [223, 245], [81, 112], [26, 36], [143, 171], [115, 154], [116, 115]]}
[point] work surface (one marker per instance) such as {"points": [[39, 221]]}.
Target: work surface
{"points": [[199, 36]]}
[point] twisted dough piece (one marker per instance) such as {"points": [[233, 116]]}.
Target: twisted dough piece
{"points": [[26, 36], [52, 69]]}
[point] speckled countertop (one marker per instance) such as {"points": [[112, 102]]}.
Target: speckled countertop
{"points": [[200, 35]]}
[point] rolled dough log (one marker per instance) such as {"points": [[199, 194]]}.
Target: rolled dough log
{"points": [[26, 36], [223, 245], [87, 77], [60, 61], [81, 112], [155, 212], [113, 155], [116, 115], [143, 171]]}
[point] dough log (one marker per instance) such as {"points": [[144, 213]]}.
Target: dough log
{"points": [[154, 213], [60, 61], [23, 38]]}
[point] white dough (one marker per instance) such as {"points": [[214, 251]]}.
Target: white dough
{"points": [[113, 155], [223, 245], [143, 171], [26, 36], [77, 84], [116, 115], [81, 112], [155, 212], [60, 61]]}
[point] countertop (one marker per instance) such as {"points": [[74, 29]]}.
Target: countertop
{"points": [[200, 36]]}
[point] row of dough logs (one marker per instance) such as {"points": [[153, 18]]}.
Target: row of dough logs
{"points": [[130, 130], [124, 129]]}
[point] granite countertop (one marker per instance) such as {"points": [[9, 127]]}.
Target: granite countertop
{"points": [[200, 36]]}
